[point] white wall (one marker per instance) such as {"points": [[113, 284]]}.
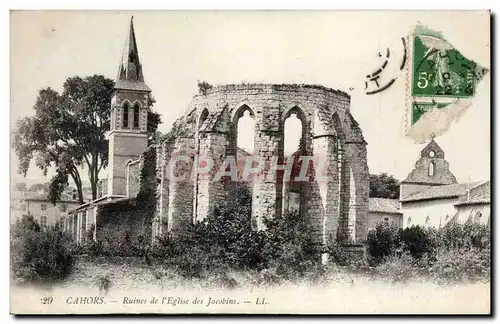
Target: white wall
{"points": [[436, 209], [374, 218], [466, 211]]}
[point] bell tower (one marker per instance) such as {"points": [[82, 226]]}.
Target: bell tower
{"points": [[430, 170], [129, 114]]}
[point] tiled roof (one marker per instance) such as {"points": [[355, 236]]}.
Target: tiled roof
{"points": [[383, 205], [441, 192], [480, 194]]}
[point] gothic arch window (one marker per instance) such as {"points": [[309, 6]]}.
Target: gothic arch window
{"points": [[136, 115], [203, 117], [427, 221], [470, 218], [477, 217], [292, 147], [408, 223], [125, 115], [431, 169]]}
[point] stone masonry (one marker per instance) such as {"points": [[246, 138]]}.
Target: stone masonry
{"points": [[336, 207]]}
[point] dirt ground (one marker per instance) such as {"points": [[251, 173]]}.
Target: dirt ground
{"points": [[127, 285]]}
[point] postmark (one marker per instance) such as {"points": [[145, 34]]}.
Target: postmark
{"points": [[393, 61], [440, 70]]}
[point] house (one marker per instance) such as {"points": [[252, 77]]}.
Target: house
{"points": [[384, 210], [431, 196], [36, 204], [474, 205]]}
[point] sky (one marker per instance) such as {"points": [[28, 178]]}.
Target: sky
{"points": [[333, 49]]}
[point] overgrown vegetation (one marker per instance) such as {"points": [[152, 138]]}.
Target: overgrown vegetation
{"points": [[457, 253], [39, 256], [215, 249], [384, 186], [224, 241]]}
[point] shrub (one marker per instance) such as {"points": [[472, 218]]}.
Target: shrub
{"points": [[288, 246], [114, 241], [401, 268], [222, 240], [40, 256], [382, 241], [225, 240], [337, 253], [459, 236], [418, 241], [462, 266]]}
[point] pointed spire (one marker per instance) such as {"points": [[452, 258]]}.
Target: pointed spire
{"points": [[130, 75]]}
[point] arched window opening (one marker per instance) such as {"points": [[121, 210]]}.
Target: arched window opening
{"points": [[431, 169], [477, 217], [242, 148], [293, 135], [125, 115], [203, 117], [136, 116], [245, 136], [292, 150], [427, 221], [408, 222]]}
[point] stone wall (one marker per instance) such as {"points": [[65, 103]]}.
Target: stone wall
{"points": [[336, 205], [132, 216]]}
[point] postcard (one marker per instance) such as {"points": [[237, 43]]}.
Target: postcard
{"points": [[250, 162]]}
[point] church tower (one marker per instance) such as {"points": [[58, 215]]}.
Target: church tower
{"points": [[430, 170], [129, 115]]}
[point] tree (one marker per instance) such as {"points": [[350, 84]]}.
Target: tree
{"points": [[20, 186], [384, 186], [68, 132], [41, 186]]}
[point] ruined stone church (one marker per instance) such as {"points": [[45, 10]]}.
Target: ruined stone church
{"points": [[139, 195]]}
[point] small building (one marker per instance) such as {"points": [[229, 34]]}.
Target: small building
{"points": [[384, 210], [36, 205], [431, 196], [474, 205]]}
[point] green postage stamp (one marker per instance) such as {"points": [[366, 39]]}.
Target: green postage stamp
{"points": [[440, 75], [439, 70]]}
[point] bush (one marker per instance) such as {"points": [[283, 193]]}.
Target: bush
{"points": [[337, 253], [113, 241], [382, 241], [459, 236], [222, 240], [457, 253], [401, 268], [418, 241], [225, 240], [288, 246], [462, 266], [37, 256]]}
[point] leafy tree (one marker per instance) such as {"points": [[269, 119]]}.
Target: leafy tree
{"points": [[384, 186], [40, 187], [382, 241], [68, 132], [20, 186]]}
